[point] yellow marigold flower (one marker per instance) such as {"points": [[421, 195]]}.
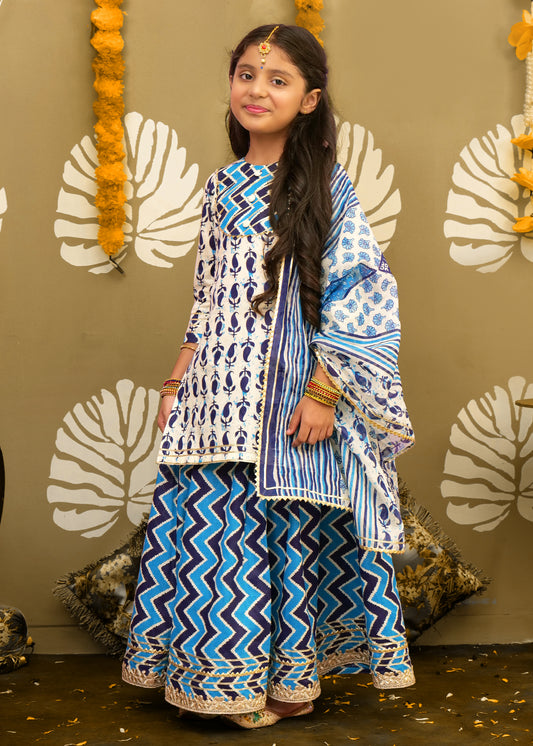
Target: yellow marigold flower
{"points": [[107, 42], [314, 26], [106, 138], [114, 197], [109, 108], [524, 178], [111, 172], [309, 4], [110, 129], [521, 35], [112, 66], [109, 3], [107, 19], [110, 151], [308, 16], [523, 141], [524, 225], [110, 239], [108, 87], [112, 217]]}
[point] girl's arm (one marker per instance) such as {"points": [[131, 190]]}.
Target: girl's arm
{"points": [[178, 371], [312, 419]]}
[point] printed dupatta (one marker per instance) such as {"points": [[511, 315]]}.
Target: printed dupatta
{"points": [[357, 344]]}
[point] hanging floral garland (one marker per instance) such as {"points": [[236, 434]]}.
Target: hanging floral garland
{"points": [[108, 67], [308, 16], [521, 37]]}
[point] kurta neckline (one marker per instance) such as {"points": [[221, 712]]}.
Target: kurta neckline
{"points": [[262, 166]]}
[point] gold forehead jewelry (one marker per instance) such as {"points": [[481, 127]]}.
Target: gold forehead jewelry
{"points": [[264, 46]]}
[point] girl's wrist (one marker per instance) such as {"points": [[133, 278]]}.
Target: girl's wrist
{"points": [[321, 392], [170, 387]]}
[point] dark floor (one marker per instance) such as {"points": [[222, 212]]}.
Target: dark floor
{"points": [[463, 694]]}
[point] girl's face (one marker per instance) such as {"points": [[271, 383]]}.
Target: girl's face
{"points": [[265, 99]]}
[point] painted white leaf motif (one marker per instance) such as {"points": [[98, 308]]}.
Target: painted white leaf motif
{"points": [[484, 202], [372, 183], [3, 205], [489, 466], [104, 462], [163, 209]]}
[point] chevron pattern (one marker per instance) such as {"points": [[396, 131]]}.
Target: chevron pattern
{"points": [[293, 541], [243, 198], [239, 596], [360, 621]]}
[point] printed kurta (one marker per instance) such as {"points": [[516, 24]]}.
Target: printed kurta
{"points": [[217, 411]]}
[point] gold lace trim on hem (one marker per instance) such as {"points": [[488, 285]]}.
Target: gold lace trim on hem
{"points": [[393, 680], [285, 693], [390, 680], [150, 681], [214, 706], [348, 658]]}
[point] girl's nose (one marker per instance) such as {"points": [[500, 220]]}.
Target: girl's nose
{"points": [[258, 86]]}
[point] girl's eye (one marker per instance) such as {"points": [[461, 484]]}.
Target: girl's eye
{"points": [[278, 81], [246, 76]]}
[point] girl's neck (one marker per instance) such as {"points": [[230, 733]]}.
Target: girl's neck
{"points": [[264, 151]]}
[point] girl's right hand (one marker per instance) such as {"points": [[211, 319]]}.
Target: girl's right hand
{"points": [[164, 411]]}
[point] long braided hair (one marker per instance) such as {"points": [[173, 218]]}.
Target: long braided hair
{"points": [[300, 202]]}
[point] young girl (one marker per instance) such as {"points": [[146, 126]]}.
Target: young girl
{"points": [[267, 555]]}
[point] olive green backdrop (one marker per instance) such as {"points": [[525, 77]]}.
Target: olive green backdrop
{"points": [[415, 83]]}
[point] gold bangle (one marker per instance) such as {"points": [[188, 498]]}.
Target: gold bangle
{"points": [[320, 399], [325, 386], [170, 387], [168, 391], [323, 393], [188, 346]]}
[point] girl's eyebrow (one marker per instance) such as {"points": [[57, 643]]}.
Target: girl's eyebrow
{"points": [[246, 66]]}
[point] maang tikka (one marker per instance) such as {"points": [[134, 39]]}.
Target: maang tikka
{"points": [[264, 46]]}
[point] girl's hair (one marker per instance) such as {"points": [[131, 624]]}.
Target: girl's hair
{"points": [[300, 204]]}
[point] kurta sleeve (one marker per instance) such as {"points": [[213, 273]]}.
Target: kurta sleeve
{"points": [[204, 274], [359, 336]]}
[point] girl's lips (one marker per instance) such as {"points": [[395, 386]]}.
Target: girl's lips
{"points": [[255, 109]]}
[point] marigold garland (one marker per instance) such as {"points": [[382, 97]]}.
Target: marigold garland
{"points": [[108, 67], [308, 16], [521, 37]]}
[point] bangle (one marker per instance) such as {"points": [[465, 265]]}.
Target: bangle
{"points": [[170, 387], [328, 393], [188, 346], [322, 396], [318, 398], [325, 386], [322, 393]]}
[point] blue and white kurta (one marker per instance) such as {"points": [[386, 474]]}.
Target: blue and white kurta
{"points": [[217, 413]]}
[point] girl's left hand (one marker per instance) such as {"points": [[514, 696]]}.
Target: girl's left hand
{"points": [[313, 420]]}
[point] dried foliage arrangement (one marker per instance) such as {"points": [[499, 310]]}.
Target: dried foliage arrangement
{"points": [[308, 16], [108, 66]]}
